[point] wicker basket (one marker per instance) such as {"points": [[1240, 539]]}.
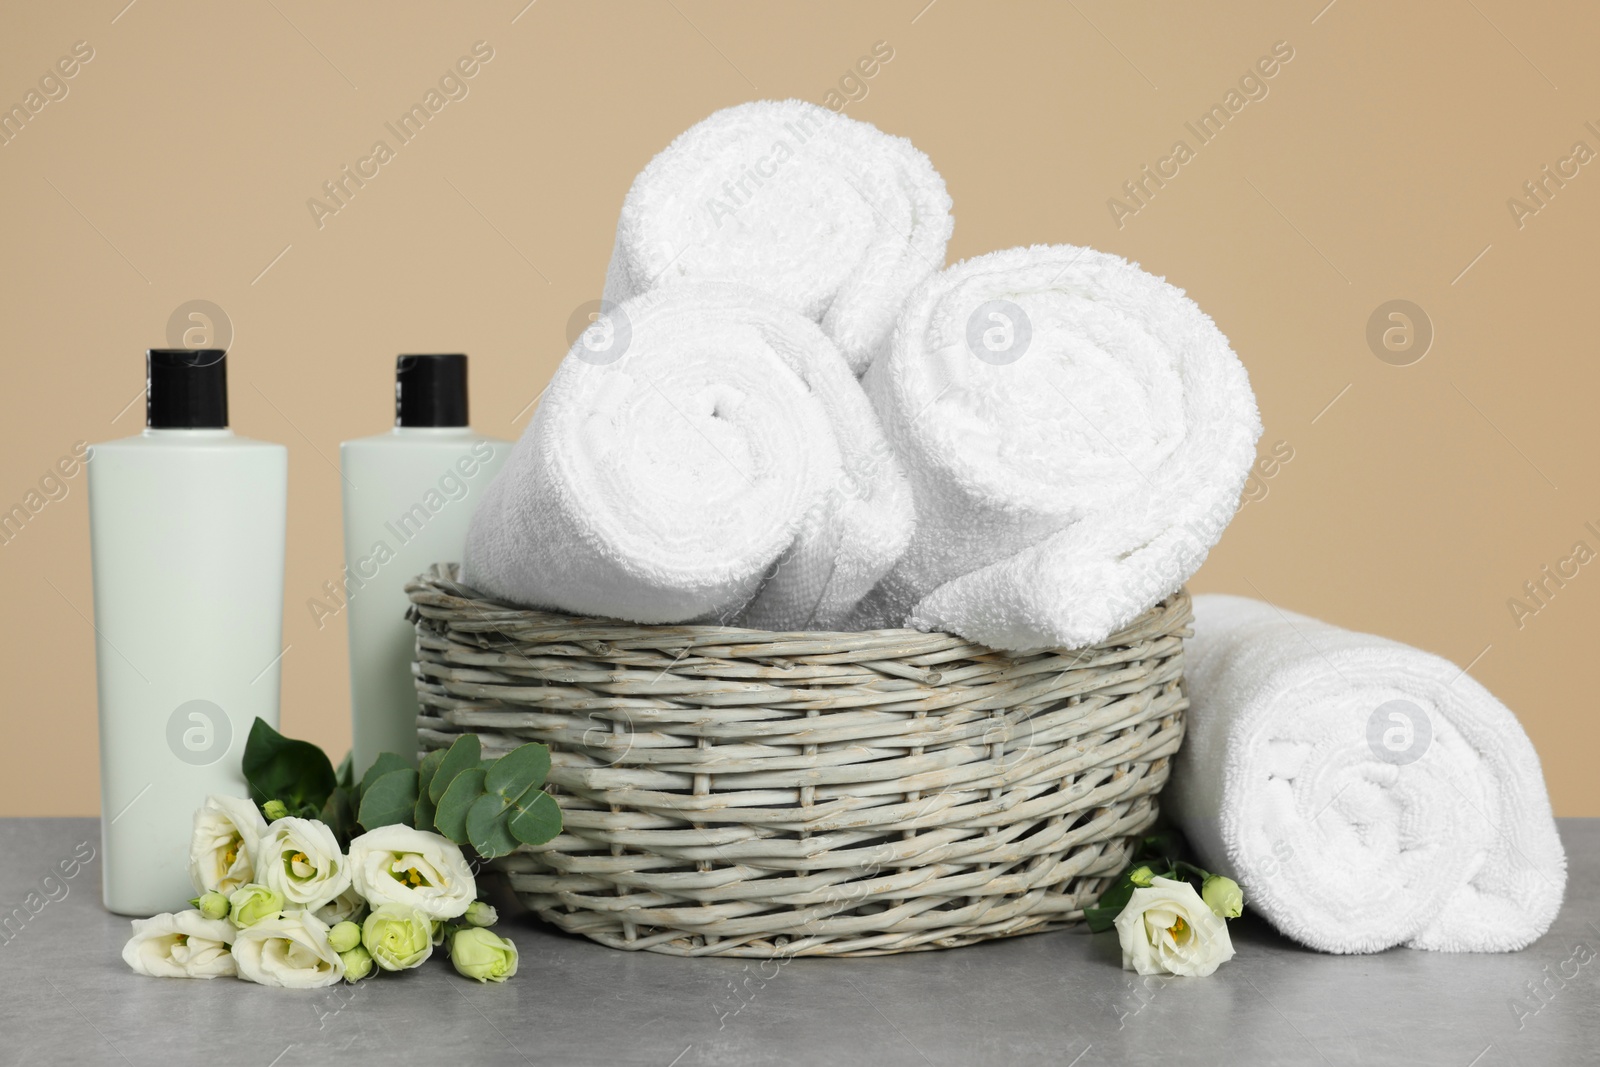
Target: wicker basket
{"points": [[747, 793]]}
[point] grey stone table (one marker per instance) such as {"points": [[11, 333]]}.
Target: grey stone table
{"points": [[1061, 998]]}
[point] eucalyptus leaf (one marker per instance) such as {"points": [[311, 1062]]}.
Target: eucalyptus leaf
{"points": [[487, 827], [425, 811], [451, 818], [345, 775], [389, 799], [386, 762], [521, 769], [430, 764], [281, 768], [339, 812], [423, 814], [535, 819], [463, 754]]}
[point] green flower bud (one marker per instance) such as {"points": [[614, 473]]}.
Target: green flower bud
{"points": [[274, 810], [211, 905], [398, 937], [252, 903], [1223, 896], [1141, 876], [344, 937], [482, 954], [357, 962], [481, 914]]}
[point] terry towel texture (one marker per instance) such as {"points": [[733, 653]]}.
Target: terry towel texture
{"points": [[831, 216], [1076, 432], [723, 466], [1364, 793]]}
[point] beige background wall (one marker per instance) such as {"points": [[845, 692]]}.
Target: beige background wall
{"points": [[1378, 166]]}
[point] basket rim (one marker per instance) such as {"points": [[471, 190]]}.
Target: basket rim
{"points": [[443, 579]]}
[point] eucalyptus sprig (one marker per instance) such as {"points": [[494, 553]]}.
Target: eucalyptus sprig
{"points": [[494, 805]]}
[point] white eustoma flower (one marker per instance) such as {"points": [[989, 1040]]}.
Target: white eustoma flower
{"points": [[399, 865], [222, 851], [185, 945], [300, 858], [342, 908], [1168, 929], [291, 951]]}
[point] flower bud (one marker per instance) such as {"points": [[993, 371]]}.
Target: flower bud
{"points": [[397, 936], [1141, 876], [274, 810], [212, 905], [357, 963], [1223, 896], [344, 937], [481, 914], [252, 903], [482, 954]]}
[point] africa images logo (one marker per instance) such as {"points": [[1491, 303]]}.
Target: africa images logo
{"points": [[199, 732]]}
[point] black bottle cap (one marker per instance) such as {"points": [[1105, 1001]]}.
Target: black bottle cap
{"points": [[430, 390], [186, 389]]}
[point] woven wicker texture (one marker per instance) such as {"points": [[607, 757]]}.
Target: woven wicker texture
{"points": [[747, 793]]}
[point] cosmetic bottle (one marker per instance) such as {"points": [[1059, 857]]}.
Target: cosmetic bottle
{"points": [[187, 538], [408, 497]]}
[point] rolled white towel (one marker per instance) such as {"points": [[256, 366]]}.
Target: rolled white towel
{"points": [[833, 217], [1365, 794], [1077, 433], [709, 457]]}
